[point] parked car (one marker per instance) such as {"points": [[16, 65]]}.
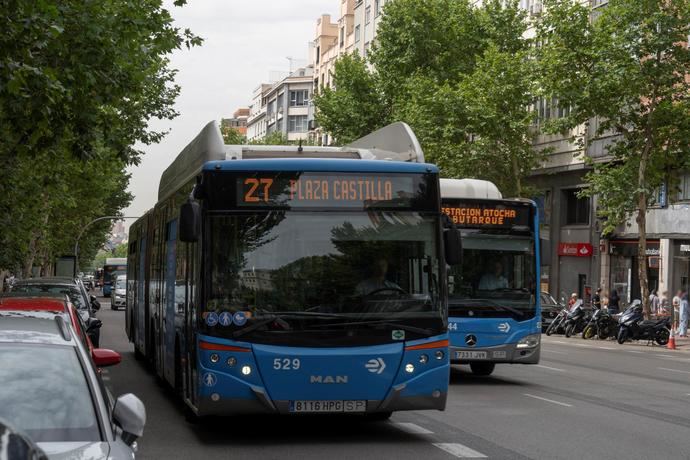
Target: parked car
{"points": [[118, 296], [54, 304], [549, 310], [51, 391], [86, 304]]}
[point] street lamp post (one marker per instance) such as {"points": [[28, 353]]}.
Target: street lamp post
{"points": [[83, 229]]}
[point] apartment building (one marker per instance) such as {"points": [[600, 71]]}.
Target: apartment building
{"points": [[367, 17], [237, 123], [256, 121]]}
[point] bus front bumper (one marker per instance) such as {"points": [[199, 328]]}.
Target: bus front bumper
{"points": [[507, 353]]}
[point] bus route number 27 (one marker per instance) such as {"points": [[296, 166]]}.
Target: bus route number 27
{"points": [[259, 190], [286, 364]]}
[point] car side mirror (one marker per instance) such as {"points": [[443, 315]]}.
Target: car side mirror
{"points": [[452, 243], [190, 221], [129, 414], [102, 357]]}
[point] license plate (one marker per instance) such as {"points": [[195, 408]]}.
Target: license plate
{"points": [[470, 355], [327, 406]]}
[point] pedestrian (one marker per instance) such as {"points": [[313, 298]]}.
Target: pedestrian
{"points": [[683, 331], [653, 302], [596, 299], [676, 308], [614, 302], [663, 304], [572, 300]]}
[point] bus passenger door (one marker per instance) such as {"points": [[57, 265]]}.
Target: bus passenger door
{"points": [[168, 331]]}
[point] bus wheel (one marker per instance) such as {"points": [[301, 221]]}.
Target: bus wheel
{"points": [[482, 369], [379, 416]]}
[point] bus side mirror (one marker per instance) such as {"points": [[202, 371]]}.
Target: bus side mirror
{"points": [[190, 222], [452, 243]]}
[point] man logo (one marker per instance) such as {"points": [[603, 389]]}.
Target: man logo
{"points": [[470, 340], [328, 379]]}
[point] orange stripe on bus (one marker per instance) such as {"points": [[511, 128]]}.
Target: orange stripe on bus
{"points": [[218, 347], [426, 346]]}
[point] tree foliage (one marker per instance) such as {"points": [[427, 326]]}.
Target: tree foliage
{"points": [[79, 83], [460, 75], [628, 70]]}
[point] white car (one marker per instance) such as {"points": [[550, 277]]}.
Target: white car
{"points": [[118, 297], [51, 391]]}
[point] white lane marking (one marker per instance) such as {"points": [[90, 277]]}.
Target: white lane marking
{"points": [[557, 341], [412, 428], [550, 368], [557, 352], [673, 370], [548, 400], [105, 379], [606, 348], [635, 351], [459, 450], [665, 356]]}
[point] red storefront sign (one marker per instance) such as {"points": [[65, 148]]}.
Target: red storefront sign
{"points": [[575, 249]]}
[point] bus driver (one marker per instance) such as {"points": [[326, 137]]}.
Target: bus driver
{"points": [[377, 281], [495, 280]]}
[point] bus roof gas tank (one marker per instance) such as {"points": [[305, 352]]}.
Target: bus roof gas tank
{"points": [[469, 188]]}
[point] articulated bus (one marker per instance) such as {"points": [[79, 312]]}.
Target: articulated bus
{"points": [[113, 266], [290, 279], [493, 295]]}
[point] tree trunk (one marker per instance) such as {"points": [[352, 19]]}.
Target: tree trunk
{"points": [[516, 176], [642, 231]]}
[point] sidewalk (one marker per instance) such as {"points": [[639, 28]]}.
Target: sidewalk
{"points": [[682, 345]]}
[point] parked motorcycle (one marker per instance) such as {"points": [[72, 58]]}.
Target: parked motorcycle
{"points": [[607, 325], [556, 326], [633, 326], [575, 320], [591, 328]]}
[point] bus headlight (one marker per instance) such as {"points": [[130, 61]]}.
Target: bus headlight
{"points": [[409, 368], [529, 341], [423, 359], [214, 358], [246, 370], [439, 354], [232, 361]]}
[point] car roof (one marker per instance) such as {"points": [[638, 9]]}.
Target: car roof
{"points": [[40, 327], [25, 302], [55, 280]]}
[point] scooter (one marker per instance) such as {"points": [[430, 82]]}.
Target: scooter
{"points": [[556, 326], [634, 327], [575, 319]]}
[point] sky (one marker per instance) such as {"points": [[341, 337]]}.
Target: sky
{"points": [[244, 42]]}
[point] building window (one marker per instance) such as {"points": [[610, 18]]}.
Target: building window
{"points": [[367, 15], [684, 188], [576, 208], [377, 7], [299, 98], [318, 54], [366, 48], [357, 34], [297, 124]]}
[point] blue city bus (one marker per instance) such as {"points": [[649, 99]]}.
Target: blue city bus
{"points": [[113, 267], [290, 279], [493, 295]]}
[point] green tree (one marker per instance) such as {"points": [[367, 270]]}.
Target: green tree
{"points": [[628, 69], [461, 76], [356, 106], [79, 83], [231, 136]]}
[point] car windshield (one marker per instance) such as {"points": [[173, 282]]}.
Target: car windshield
{"points": [[121, 283], [497, 274], [353, 266], [74, 293], [44, 393]]}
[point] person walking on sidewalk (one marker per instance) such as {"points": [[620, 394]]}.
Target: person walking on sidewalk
{"points": [[654, 302], [683, 331], [614, 302], [596, 300], [676, 308]]}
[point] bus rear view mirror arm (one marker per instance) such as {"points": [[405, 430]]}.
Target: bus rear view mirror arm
{"points": [[190, 221], [452, 243]]}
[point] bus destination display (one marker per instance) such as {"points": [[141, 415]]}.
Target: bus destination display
{"points": [[493, 215], [322, 190]]}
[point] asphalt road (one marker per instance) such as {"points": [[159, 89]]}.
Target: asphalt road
{"points": [[585, 400]]}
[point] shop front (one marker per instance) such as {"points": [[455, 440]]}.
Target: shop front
{"points": [[624, 268]]}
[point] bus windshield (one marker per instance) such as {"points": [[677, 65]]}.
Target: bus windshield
{"points": [[496, 279], [315, 272]]}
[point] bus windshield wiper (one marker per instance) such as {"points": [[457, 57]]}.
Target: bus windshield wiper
{"points": [[381, 322], [281, 315]]}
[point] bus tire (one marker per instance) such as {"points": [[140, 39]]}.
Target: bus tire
{"points": [[482, 368], [379, 416]]}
